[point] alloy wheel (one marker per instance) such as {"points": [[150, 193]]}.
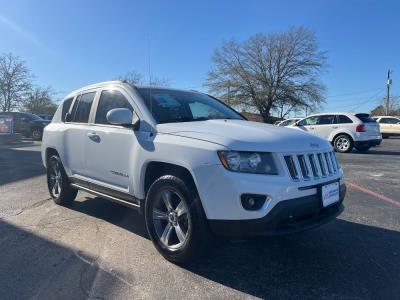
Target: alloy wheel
{"points": [[55, 179], [171, 219], [343, 144]]}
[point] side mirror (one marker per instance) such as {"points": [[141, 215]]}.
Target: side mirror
{"points": [[121, 116]]}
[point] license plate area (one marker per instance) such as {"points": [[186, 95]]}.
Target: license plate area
{"points": [[329, 193]]}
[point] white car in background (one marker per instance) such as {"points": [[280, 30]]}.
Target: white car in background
{"points": [[389, 126], [344, 130], [288, 122]]}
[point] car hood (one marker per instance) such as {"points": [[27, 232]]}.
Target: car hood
{"points": [[243, 135]]}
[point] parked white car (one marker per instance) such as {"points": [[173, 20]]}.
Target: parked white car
{"points": [[389, 126], [343, 130], [190, 164], [288, 122]]}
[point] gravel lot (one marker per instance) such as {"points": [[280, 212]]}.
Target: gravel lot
{"points": [[98, 249]]}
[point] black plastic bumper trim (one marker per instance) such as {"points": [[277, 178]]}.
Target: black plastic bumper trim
{"points": [[286, 217]]}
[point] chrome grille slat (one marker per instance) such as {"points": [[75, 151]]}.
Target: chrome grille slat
{"points": [[307, 166]]}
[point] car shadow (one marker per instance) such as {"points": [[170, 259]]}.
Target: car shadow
{"points": [[376, 152], [339, 260]]}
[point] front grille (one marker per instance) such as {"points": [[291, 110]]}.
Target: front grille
{"points": [[311, 165]]}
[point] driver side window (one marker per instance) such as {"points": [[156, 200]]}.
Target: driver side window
{"points": [[109, 100], [309, 121]]}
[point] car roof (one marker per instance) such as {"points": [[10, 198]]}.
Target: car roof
{"points": [[337, 113], [122, 82]]}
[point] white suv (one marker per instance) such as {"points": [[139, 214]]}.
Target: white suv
{"points": [[190, 164], [343, 130]]}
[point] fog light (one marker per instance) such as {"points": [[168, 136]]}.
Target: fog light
{"points": [[252, 201]]}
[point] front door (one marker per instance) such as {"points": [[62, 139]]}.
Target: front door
{"points": [[110, 147], [308, 124], [325, 125]]}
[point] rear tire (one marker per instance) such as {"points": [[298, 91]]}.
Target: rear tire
{"points": [[384, 136], [175, 220], [343, 143], [58, 183], [363, 148]]}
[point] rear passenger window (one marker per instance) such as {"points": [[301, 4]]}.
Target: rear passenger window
{"points": [[342, 119], [326, 119], [81, 110], [65, 108], [108, 101]]}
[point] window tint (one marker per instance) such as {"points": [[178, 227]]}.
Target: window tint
{"points": [[65, 108], [365, 118], [81, 109], [326, 119], [342, 119], [389, 121], [309, 121], [108, 101]]}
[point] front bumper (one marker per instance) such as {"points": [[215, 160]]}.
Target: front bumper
{"points": [[370, 143], [286, 217]]}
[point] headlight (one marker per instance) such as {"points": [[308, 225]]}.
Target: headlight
{"points": [[248, 162]]}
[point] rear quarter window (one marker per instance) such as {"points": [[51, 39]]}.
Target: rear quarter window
{"points": [[65, 108]]}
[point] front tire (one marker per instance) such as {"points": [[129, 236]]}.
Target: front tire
{"points": [[36, 134], [343, 143], [175, 219], [57, 182]]}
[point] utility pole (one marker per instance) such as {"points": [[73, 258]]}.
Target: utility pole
{"points": [[388, 83]]}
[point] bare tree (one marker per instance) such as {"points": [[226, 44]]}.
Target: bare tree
{"points": [[39, 101], [15, 82], [269, 72], [394, 107], [135, 78]]}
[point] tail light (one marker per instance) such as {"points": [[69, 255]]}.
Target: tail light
{"points": [[360, 128]]}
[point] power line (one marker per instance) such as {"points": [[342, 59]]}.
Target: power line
{"points": [[352, 93], [362, 102]]}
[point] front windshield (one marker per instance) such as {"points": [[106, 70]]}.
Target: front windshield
{"points": [[33, 117], [171, 106]]}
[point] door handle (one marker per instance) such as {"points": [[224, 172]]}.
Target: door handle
{"points": [[94, 137], [311, 127], [334, 127]]}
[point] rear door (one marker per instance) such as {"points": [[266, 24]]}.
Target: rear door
{"points": [[76, 134]]}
